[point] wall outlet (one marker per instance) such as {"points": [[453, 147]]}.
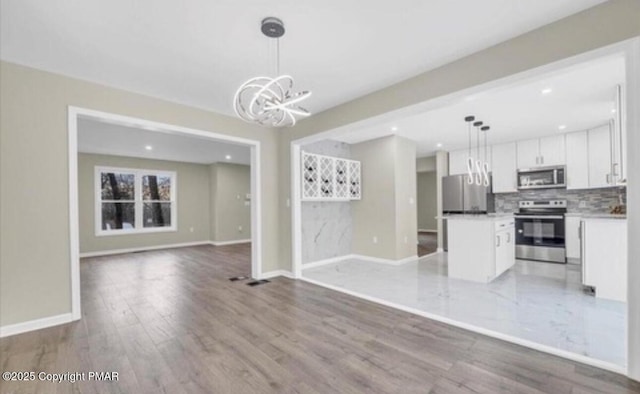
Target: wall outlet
{"points": [[288, 203], [237, 196], [239, 229], [375, 239], [406, 239], [190, 229], [411, 201]]}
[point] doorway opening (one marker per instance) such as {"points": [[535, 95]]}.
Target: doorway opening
{"points": [[138, 185]]}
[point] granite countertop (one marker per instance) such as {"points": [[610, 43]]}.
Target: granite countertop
{"points": [[489, 216], [603, 215]]}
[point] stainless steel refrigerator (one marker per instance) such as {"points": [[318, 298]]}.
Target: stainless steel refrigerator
{"points": [[458, 196]]}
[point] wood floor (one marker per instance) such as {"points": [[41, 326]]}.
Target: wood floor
{"points": [[170, 322], [427, 243]]}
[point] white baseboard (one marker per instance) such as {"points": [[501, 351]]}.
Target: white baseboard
{"points": [[385, 261], [427, 231], [238, 241], [143, 249], [484, 331], [358, 257], [32, 325], [327, 261], [274, 274]]}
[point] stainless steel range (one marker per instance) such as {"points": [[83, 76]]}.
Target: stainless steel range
{"points": [[540, 230]]}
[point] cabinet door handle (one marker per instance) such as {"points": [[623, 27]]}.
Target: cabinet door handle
{"points": [[498, 238], [608, 179], [508, 237]]}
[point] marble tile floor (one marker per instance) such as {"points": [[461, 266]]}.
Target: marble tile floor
{"points": [[539, 302]]}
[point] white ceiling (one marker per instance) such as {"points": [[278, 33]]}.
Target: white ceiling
{"points": [[198, 52], [582, 97], [111, 139]]}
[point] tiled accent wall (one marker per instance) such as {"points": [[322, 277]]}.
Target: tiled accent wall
{"points": [[326, 226], [595, 200]]}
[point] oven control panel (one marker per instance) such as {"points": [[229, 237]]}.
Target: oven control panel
{"points": [[543, 204]]}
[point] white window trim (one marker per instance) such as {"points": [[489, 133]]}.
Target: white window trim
{"points": [[138, 173]]}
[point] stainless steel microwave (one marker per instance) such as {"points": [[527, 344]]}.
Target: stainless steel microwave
{"points": [[542, 178]]}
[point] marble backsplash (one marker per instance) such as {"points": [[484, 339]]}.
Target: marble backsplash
{"points": [[326, 226], [578, 201]]}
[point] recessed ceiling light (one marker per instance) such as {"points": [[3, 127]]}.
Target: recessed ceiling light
{"points": [[439, 145], [228, 157], [148, 147], [562, 127], [394, 128], [546, 90]]}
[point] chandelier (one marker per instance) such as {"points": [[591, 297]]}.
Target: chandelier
{"points": [[270, 102]]}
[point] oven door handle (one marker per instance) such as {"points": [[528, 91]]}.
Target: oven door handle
{"points": [[539, 217]]}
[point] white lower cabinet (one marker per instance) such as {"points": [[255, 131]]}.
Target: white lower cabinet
{"points": [[604, 257], [480, 249]]}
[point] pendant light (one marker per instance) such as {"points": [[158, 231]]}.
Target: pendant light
{"points": [[477, 170], [478, 163], [470, 164], [485, 165], [267, 101]]}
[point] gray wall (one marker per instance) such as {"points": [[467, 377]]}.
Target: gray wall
{"points": [[425, 164], [230, 184], [36, 281], [327, 227], [192, 197], [427, 200], [385, 211], [406, 195]]}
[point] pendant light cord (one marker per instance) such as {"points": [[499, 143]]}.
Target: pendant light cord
{"points": [[277, 57], [469, 123]]}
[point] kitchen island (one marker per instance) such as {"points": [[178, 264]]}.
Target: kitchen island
{"points": [[481, 247]]}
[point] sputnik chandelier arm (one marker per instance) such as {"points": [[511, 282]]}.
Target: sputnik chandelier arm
{"points": [[269, 101]]}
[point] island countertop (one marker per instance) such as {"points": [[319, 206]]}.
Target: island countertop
{"points": [[484, 217]]}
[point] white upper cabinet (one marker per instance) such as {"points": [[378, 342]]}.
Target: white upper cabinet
{"points": [[504, 177], [600, 157], [541, 152], [458, 160], [577, 153], [528, 153], [552, 152]]}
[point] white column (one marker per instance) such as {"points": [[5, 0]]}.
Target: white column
{"points": [[442, 170], [633, 204]]}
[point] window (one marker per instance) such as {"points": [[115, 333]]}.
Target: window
{"points": [[134, 201]]}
